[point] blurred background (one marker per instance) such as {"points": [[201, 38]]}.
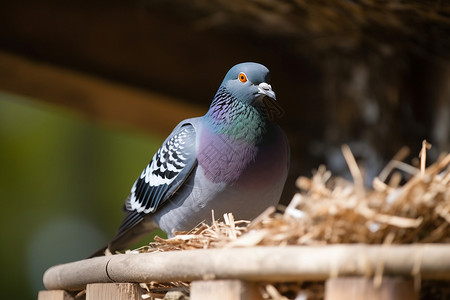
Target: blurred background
{"points": [[89, 90]]}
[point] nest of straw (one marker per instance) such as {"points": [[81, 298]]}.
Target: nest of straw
{"points": [[330, 210], [407, 204]]}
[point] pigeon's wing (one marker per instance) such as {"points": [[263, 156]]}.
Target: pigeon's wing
{"points": [[164, 175]]}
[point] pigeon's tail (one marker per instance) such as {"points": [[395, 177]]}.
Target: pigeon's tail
{"points": [[125, 238]]}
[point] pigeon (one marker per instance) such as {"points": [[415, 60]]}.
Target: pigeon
{"points": [[234, 159]]}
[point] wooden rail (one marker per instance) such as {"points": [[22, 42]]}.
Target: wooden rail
{"points": [[238, 268], [99, 99]]}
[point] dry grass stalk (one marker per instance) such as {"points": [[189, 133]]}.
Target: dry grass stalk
{"points": [[203, 236]]}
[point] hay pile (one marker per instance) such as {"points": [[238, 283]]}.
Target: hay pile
{"points": [[407, 204], [331, 210]]}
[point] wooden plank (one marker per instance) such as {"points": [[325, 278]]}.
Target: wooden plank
{"points": [[224, 290], [391, 288], [94, 97], [54, 295], [113, 291]]}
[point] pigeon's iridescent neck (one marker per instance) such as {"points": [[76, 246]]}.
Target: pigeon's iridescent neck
{"points": [[235, 119]]}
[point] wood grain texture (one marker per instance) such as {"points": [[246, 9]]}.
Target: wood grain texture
{"points": [[224, 290], [54, 295], [113, 291], [355, 288]]}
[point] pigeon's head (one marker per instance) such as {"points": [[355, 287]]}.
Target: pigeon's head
{"points": [[250, 83]]}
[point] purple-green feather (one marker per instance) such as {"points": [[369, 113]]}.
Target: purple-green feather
{"points": [[234, 135], [236, 119]]}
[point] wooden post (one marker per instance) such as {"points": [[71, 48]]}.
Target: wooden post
{"points": [[54, 295], [391, 288], [113, 291], [224, 290]]}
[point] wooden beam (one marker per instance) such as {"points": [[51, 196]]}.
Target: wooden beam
{"points": [[54, 295], [224, 290], [93, 271], [94, 97], [270, 264], [113, 291], [355, 288]]}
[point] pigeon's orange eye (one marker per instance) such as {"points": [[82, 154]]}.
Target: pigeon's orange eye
{"points": [[242, 77]]}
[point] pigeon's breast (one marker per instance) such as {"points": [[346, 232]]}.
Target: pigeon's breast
{"points": [[240, 163], [270, 164], [222, 158]]}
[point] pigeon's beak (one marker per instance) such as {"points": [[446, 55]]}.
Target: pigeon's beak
{"points": [[266, 90], [268, 99]]}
